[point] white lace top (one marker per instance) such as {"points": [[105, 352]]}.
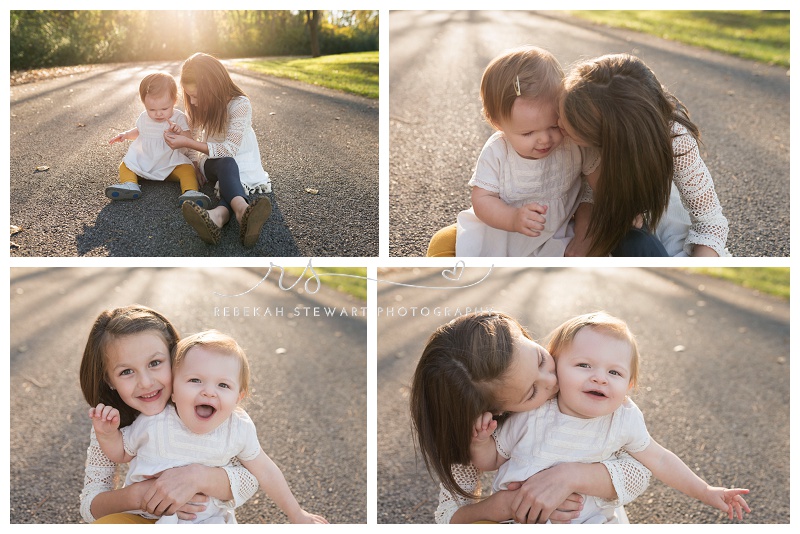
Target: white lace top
{"points": [[629, 477], [694, 214], [238, 142], [101, 476]]}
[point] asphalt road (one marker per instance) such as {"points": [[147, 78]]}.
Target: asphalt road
{"points": [[310, 138], [714, 375], [436, 131], [308, 386]]}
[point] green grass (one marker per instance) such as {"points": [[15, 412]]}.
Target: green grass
{"points": [[770, 280], [354, 283], [355, 73], [759, 35]]}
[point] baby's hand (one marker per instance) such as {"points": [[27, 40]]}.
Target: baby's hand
{"points": [[117, 139], [105, 419], [529, 219], [728, 500], [312, 519], [484, 426], [174, 127]]}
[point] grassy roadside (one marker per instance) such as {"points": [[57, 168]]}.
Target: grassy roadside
{"points": [[349, 280], [355, 73], [759, 35], [769, 280]]}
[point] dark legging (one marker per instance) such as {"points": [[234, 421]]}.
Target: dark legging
{"points": [[639, 242], [226, 172]]}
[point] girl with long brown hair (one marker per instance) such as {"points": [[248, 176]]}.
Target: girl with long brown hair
{"points": [[127, 364], [650, 164], [225, 151], [488, 362]]}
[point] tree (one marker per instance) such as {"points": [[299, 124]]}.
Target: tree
{"points": [[313, 28]]}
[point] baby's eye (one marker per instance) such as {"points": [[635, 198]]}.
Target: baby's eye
{"points": [[617, 373], [584, 365], [224, 385], [194, 380]]}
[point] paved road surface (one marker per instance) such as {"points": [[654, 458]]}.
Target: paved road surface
{"points": [[721, 403], [436, 131], [310, 138], [308, 387]]}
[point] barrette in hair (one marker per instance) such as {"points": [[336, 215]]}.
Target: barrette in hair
{"points": [[516, 87]]}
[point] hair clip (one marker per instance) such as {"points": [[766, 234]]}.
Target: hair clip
{"points": [[516, 87]]}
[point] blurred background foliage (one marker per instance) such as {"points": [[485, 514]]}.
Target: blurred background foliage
{"points": [[62, 38]]}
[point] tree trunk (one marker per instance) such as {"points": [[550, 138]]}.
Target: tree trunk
{"points": [[313, 28]]}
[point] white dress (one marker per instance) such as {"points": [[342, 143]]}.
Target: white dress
{"points": [[100, 475], [539, 439], [162, 441], [149, 156], [554, 181], [238, 142]]}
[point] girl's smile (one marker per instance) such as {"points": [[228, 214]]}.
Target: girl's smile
{"points": [[139, 369]]}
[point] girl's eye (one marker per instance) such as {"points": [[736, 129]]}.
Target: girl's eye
{"points": [[155, 363], [126, 372], [533, 394]]}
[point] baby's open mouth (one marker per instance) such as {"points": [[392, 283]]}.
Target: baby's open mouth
{"points": [[596, 393], [204, 411]]}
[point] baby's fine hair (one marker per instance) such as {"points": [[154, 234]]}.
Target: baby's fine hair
{"points": [[602, 322], [218, 342], [616, 103], [158, 84], [112, 324], [462, 365], [526, 72]]}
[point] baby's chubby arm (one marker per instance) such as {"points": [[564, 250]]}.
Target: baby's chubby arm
{"points": [[130, 135], [105, 420], [671, 470], [482, 449], [271, 480], [489, 207]]}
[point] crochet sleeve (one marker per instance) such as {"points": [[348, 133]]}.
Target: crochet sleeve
{"points": [[243, 483], [629, 477], [98, 477], [239, 118], [709, 226], [468, 479]]}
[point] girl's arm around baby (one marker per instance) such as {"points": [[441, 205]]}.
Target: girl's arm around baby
{"points": [[671, 470], [271, 480]]}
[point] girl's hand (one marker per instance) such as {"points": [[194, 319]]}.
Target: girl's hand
{"points": [[727, 500], [105, 419], [541, 495], [529, 219], [307, 518], [483, 428], [175, 140], [201, 180], [170, 491], [567, 511]]}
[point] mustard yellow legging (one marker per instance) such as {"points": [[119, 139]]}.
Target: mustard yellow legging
{"points": [[184, 174], [124, 519], [443, 243]]}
